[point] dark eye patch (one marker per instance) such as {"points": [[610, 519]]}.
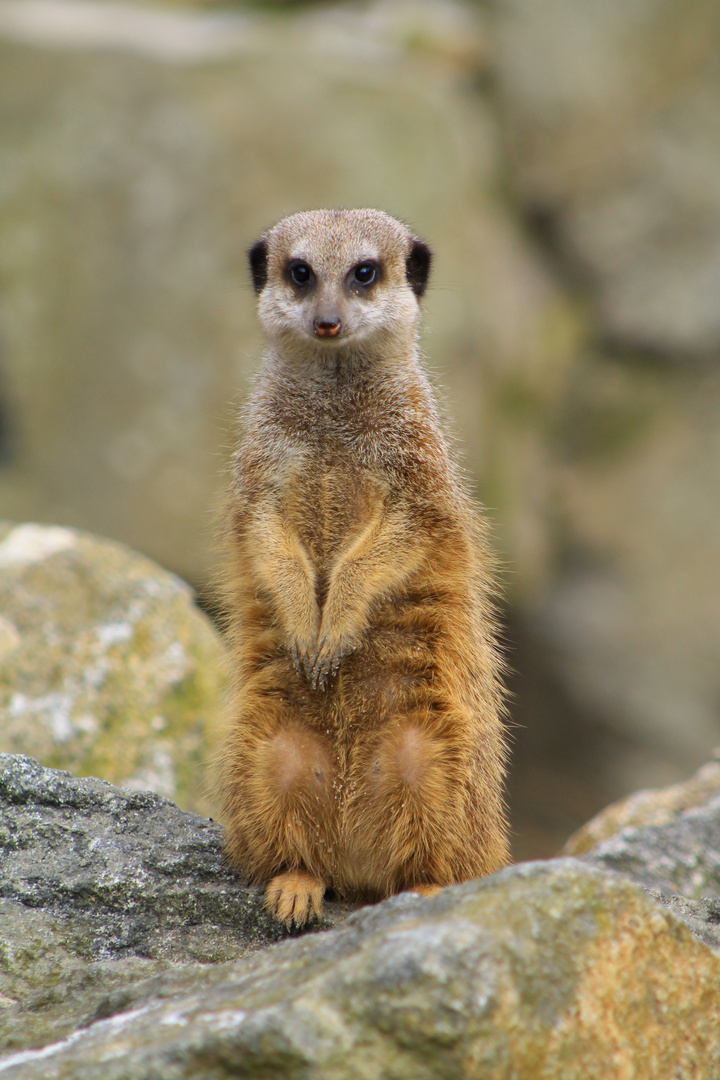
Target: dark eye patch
{"points": [[365, 273], [300, 274]]}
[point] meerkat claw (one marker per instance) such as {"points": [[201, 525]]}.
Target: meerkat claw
{"points": [[308, 666], [325, 668], [297, 657]]}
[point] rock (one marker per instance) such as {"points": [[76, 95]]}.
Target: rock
{"points": [[554, 968], [664, 840], [107, 667], [702, 917], [661, 807], [102, 888], [667, 840], [551, 969], [680, 857], [612, 117]]}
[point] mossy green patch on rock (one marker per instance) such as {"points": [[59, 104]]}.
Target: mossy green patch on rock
{"points": [[107, 667]]}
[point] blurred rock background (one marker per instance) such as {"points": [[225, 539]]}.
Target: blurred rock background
{"points": [[563, 160]]}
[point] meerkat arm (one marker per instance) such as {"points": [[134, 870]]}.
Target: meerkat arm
{"points": [[380, 560], [285, 571]]}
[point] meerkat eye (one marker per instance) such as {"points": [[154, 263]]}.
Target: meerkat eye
{"points": [[300, 273], [365, 273]]}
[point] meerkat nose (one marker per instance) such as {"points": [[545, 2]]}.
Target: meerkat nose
{"points": [[327, 327]]}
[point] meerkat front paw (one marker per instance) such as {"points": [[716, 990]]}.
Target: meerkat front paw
{"points": [[303, 656], [295, 898], [302, 644], [327, 660]]}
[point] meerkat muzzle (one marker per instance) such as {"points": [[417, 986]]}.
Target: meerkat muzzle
{"points": [[327, 327]]}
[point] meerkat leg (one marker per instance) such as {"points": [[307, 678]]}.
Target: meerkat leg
{"points": [[408, 815], [280, 812], [285, 571]]}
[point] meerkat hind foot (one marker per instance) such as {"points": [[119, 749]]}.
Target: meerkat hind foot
{"points": [[295, 898], [425, 890]]}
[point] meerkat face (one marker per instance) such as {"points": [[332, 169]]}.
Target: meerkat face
{"points": [[333, 279]]}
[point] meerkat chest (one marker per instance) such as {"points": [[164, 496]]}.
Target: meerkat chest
{"points": [[327, 501]]}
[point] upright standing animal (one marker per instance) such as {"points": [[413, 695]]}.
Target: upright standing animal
{"points": [[365, 749]]}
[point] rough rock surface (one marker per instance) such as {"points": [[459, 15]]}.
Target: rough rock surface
{"points": [[681, 857], [670, 840], [660, 806], [101, 888], [107, 667], [544, 970], [121, 957]]}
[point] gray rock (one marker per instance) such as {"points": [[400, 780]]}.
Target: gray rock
{"points": [[124, 941], [102, 888], [654, 807], [680, 857], [668, 841], [527, 967], [702, 917], [107, 666], [612, 112]]}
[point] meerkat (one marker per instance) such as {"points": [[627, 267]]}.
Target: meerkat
{"points": [[365, 748]]}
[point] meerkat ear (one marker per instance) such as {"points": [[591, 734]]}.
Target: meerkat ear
{"points": [[258, 265], [418, 266]]}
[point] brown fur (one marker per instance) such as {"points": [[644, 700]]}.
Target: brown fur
{"points": [[365, 748]]}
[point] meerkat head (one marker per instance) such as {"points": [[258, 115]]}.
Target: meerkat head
{"points": [[332, 280]]}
